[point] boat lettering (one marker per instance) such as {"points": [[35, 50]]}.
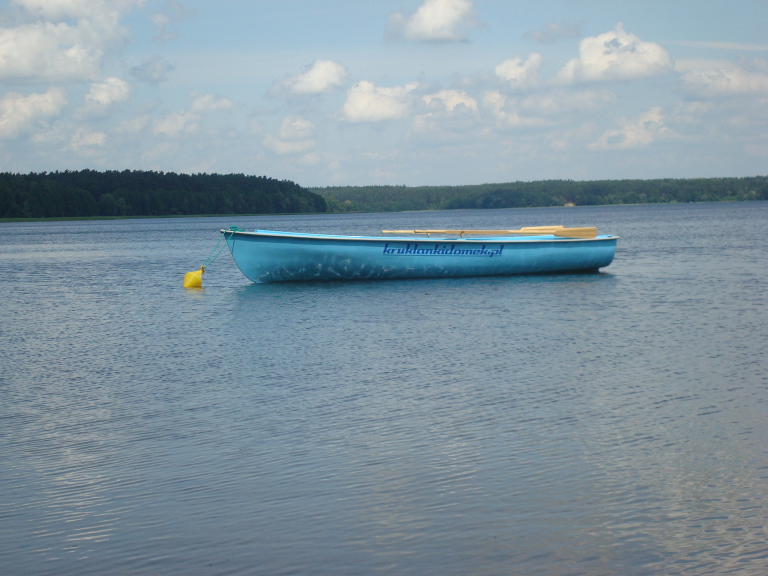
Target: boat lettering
{"points": [[443, 250]]}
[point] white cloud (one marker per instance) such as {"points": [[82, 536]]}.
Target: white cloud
{"points": [[176, 124], [103, 95], [452, 114], [576, 137], [616, 55], [634, 133], [450, 99], [134, 125], [368, 103], [322, 77], [295, 137], [49, 52], [50, 48], [160, 21], [84, 139], [282, 148], [88, 9], [188, 122], [556, 108], [727, 79], [21, 114], [436, 21], [209, 103], [519, 74], [565, 102], [296, 128], [152, 70], [171, 12], [508, 111]]}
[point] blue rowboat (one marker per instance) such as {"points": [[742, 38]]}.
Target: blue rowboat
{"points": [[272, 256]]}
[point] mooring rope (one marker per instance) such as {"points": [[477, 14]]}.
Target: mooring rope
{"points": [[211, 258]]}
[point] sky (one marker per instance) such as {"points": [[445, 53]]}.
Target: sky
{"points": [[414, 92]]}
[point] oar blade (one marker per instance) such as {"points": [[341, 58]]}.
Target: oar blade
{"points": [[587, 232]]}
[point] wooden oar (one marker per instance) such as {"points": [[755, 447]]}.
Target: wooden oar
{"points": [[541, 228], [559, 231]]}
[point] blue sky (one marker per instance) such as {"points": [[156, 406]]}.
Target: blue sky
{"points": [[415, 92]]}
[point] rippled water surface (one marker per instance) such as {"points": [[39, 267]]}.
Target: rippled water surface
{"points": [[606, 424]]}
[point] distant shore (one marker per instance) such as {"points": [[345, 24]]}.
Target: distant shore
{"points": [[91, 195], [542, 194]]}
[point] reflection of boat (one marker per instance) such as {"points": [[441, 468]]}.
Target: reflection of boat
{"points": [[270, 256]]}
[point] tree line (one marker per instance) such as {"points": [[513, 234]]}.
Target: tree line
{"points": [[88, 193], [542, 193]]}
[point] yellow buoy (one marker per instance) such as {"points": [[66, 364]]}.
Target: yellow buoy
{"points": [[194, 279]]}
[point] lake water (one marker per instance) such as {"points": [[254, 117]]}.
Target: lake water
{"points": [[606, 424]]}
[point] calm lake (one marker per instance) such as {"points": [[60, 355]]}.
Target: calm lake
{"points": [[604, 424]]}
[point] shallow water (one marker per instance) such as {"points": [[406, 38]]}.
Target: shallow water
{"points": [[575, 424]]}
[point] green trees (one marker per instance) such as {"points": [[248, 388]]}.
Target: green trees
{"points": [[88, 193], [139, 193], [543, 193]]}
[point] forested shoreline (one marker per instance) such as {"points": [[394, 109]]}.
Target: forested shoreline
{"points": [[88, 193], [542, 193], [93, 194]]}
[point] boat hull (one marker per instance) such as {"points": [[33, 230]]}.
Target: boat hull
{"points": [[269, 256]]}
